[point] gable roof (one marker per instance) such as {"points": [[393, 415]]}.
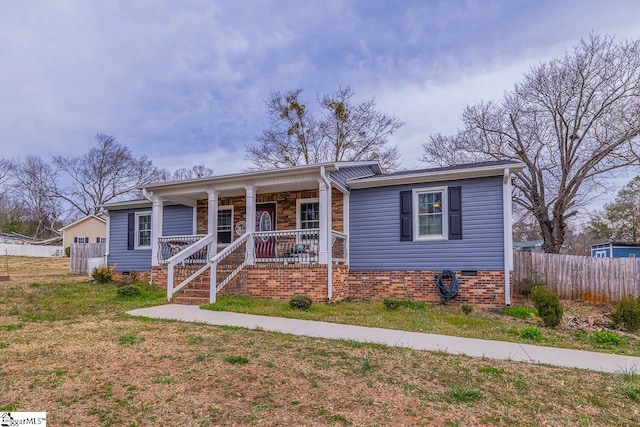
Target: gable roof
{"points": [[104, 221], [447, 173]]}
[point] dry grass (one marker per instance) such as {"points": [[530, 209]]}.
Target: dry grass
{"points": [[99, 367]]}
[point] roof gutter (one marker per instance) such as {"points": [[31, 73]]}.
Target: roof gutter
{"points": [[432, 176]]}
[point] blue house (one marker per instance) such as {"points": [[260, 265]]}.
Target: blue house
{"points": [[615, 250], [329, 231]]}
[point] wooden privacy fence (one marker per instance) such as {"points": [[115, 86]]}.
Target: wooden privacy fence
{"points": [[82, 252], [577, 277]]}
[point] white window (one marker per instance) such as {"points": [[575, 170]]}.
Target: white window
{"points": [[308, 214], [225, 224], [430, 213], [101, 240], [143, 230], [80, 240]]}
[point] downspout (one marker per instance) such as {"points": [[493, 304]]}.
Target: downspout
{"points": [[106, 251], [147, 194], [328, 231], [508, 235]]}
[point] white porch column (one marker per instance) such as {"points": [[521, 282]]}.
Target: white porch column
{"points": [[156, 228], [212, 220], [251, 222], [324, 202]]}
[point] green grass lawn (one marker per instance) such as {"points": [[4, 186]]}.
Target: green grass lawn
{"points": [[68, 348], [511, 324]]}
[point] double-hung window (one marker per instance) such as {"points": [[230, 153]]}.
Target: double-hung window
{"points": [[225, 224], [430, 213], [308, 217], [143, 230]]}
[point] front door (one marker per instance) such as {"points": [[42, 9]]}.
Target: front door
{"points": [[265, 221]]}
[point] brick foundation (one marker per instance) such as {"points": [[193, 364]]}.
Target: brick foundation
{"points": [[281, 282], [486, 289]]}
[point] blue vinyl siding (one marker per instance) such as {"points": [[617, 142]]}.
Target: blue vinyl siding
{"points": [[374, 239], [614, 251], [177, 220]]}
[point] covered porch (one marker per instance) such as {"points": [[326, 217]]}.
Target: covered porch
{"points": [[296, 218]]}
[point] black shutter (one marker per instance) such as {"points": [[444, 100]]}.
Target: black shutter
{"points": [[406, 215], [131, 232], [455, 213], [75, 240]]}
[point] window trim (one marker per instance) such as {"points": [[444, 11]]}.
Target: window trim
{"points": [[444, 213], [137, 231], [298, 211], [225, 208]]}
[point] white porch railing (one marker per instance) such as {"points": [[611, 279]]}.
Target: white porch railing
{"points": [[288, 246], [188, 264], [229, 262], [339, 247], [169, 246]]}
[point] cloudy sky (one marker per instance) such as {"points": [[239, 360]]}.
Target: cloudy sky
{"points": [[185, 82]]}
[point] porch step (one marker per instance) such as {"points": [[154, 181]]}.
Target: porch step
{"points": [[190, 300], [194, 293], [192, 296]]}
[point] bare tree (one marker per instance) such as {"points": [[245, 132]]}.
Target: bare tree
{"points": [[343, 131], [573, 122], [32, 181], [181, 174], [619, 220], [108, 172]]}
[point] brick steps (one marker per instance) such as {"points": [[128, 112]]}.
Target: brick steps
{"points": [[189, 300]]}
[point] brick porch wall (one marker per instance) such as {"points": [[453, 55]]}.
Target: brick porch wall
{"points": [[281, 282]]}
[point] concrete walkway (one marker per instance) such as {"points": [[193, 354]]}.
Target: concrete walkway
{"points": [[420, 341]]}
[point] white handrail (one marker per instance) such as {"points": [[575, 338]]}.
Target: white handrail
{"points": [[214, 288], [181, 256]]}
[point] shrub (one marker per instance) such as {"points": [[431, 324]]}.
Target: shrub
{"points": [[128, 291], [608, 338], [519, 312], [466, 308], [67, 251], [300, 302], [531, 333], [391, 304], [548, 305], [626, 313], [103, 274]]}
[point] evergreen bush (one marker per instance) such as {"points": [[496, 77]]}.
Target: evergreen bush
{"points": [[548, 305], [626, 313], [103, 274]]}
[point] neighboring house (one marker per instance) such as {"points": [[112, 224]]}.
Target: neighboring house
{"points": [[530, 246], [15, 239], [90, 229], [615, 250], [329, 231]]}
